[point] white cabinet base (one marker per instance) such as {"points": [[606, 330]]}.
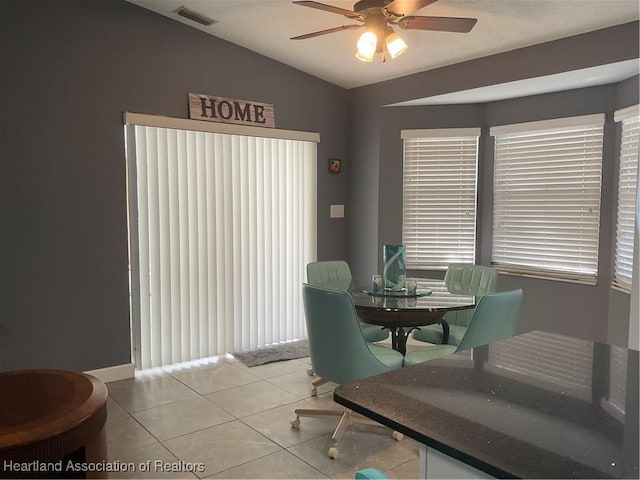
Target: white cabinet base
{"points": [[434, 464]]}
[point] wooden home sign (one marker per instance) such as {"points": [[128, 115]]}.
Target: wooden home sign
{"points": [[230, 110]]}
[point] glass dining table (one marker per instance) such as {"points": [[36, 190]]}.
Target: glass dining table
{"points": [[400, 312]]}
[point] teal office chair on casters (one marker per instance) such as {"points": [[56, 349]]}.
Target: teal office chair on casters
{"points": [[463, 279], [339, 352], [494, 318], [338, 272]]}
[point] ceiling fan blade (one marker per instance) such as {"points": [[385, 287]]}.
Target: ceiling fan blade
{"points": [[331, 9], [400, 8], [324, 32], [441, 24]]}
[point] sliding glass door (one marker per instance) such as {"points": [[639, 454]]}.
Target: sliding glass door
{"points": [[222, 227]]}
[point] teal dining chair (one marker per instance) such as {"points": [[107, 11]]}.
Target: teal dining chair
{"points": [[494, 318], [370, 474], [340, 353], [463, 279], [337, 272], [323, 273]]}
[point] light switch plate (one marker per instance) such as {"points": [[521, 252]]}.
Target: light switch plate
{"points": [[336, 211]]}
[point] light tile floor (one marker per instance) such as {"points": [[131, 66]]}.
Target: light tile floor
{"points": [[232, 421]]}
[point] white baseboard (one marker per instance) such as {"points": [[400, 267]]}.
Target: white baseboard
{"points": [[112, 374]]}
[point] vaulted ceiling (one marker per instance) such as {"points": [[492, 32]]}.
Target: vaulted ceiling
{"points": [[266, 26]]}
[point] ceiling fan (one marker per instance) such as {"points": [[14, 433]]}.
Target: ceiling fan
{"points": [[377, 18]]}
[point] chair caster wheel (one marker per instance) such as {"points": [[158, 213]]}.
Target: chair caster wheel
{"points": [[295, 423], [314, 392], [333, 452], [397, 436], [310, 372]]}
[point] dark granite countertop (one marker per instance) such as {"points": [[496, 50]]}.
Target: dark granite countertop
{"points": [[538, 405]]}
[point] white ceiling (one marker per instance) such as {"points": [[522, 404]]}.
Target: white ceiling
{"points": [[265, 26]]}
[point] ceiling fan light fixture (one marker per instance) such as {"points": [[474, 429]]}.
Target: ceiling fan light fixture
{"points": [[364, 58], [378, 16], [367, 46], [395, 45]]}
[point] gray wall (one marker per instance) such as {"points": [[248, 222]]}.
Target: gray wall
{"points": [[69, 70], [593, 312]]}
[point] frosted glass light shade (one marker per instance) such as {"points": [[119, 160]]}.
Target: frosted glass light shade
{"points": [[367, 44], [395, 45]]}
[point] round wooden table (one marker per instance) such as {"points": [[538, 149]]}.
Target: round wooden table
{"points": [[49, 420]]}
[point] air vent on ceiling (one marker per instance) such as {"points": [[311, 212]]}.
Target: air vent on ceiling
{"points": [[194, 16]]}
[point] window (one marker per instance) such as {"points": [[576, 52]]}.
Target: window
{"points": [[546, 198], [439, 196], [222, 226], [627, 187]]}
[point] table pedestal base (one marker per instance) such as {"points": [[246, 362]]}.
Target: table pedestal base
{"points": [[402, 323]]}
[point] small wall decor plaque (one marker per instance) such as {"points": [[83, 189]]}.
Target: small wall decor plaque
{"points": [[230, 110], [334, 165]]}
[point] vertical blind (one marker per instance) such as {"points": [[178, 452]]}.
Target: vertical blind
{"points": [[222, 228], [439, 196], [546, 198], [627, 187]]}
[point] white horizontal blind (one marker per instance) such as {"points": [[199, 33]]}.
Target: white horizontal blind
{"points": [[627, 187], [439, 196], [555, 362], [223, 228], [546, 211]]}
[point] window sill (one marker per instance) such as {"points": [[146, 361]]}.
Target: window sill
{"points": [[542, 275]]}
